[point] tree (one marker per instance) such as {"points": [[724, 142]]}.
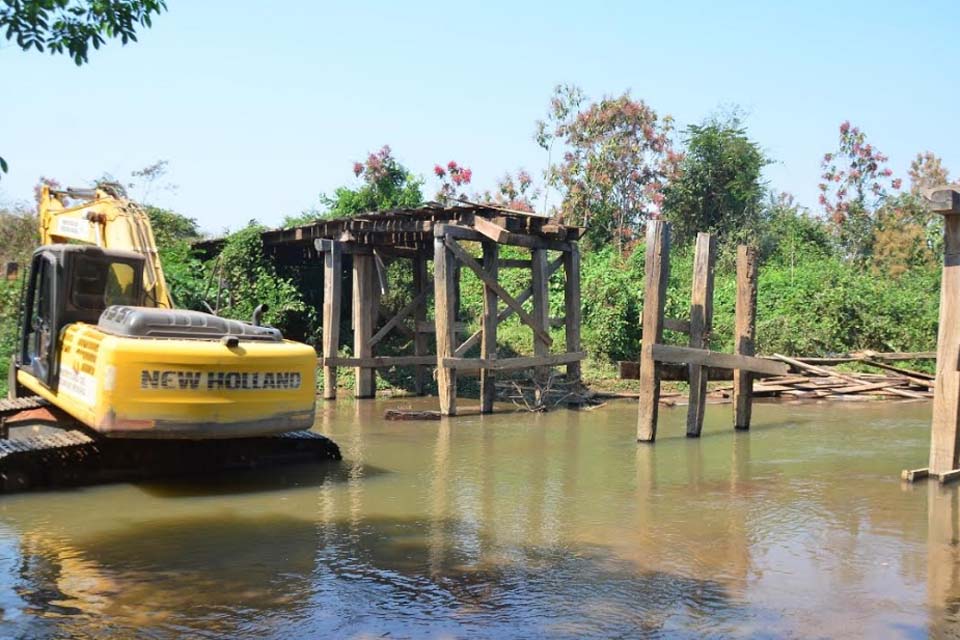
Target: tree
{"points": [[718, 189], [387, 184], [72, 26], [18, 228], [617, 156], [789, 233], [907, 233], [927, 171], [452, 179], [513, 191], [855, 186]]}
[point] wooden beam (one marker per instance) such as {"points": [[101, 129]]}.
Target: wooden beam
{"points": [[918, 378], [425, 326], [945, 427], [525, 295], [444, 271], [701, 323], [345, 247], [332, 293], [364, 308], [491, 230], [945, 200], [745, 321], [513, 263], [686, 355], [375, 362], [507, 364], [657, 267], [402, 329], [541, 306], [673, 324], [420, 286], [514, 239], [488, 346], [912, 475], [410, 307], [628, 370], [571, 305], [871, 356], [468, 260]]}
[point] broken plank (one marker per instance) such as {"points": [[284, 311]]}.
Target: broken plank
{"points": [[835, 374]]}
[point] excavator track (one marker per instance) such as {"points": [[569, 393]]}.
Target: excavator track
{"points": [[72, 457]]}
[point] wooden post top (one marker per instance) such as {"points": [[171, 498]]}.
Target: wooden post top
{"points": [[945, 200]]}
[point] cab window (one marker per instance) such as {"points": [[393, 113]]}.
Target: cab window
{"points": [[121, 287], [98, 284]]}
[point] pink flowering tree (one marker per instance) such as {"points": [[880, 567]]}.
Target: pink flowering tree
{"points": [[513, 191], [615, 156], [453, 179], [385, 184], [855, 183]]}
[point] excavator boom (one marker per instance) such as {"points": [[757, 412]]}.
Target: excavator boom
{"points": [[109, 221]]}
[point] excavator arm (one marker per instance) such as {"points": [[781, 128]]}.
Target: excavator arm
{"points": [[109, 221]]}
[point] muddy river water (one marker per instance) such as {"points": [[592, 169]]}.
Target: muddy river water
{"points": [[512, 525]]}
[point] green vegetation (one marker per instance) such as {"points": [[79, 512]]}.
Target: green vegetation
{"points": [[718, 188]]}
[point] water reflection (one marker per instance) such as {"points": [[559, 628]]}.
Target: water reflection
{"points": [[510, 525]]}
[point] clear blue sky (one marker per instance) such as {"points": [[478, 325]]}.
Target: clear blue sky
{"points": [[260, 106]]}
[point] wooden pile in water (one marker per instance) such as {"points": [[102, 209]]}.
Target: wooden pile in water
{"points": [[810, 380]]}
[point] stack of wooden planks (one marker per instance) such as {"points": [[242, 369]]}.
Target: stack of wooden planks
{"points": [[815, 380]]}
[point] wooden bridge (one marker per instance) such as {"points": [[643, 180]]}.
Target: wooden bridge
{"points": [[440, 240]]}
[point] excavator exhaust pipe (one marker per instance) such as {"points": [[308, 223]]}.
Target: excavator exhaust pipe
{"points": [[258, 314]]}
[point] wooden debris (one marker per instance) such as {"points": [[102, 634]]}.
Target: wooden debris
{"points": [[410, 414], [807, 380]]}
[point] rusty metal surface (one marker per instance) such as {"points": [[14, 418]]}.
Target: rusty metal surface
{"points": [[10, 407]]}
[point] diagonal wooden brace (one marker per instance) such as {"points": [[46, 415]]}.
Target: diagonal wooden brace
{"points": [[397, 319], [488, 280], [527, 293]]}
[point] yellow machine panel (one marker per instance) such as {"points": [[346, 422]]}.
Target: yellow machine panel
{"points": [[181, 388]]}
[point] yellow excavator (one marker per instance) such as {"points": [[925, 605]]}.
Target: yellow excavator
{"points": [[101, 342]]}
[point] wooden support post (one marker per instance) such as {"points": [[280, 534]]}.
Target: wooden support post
{"points": [[657, 268], [701, 322], [745, 333], [364, 308], [945, 429], [541, 307], [420, 284], [444, 274], [332, 293], [488, 345], [571, 303]]}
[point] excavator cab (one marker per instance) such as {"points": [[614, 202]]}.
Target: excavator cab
{"points": [[67, 284]]}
